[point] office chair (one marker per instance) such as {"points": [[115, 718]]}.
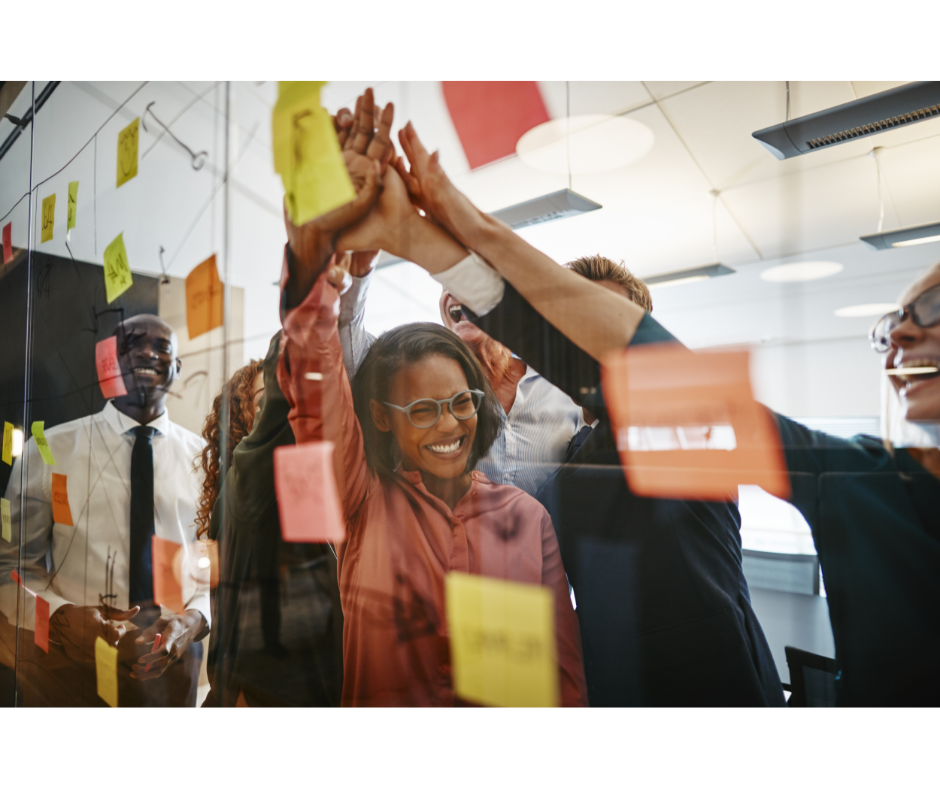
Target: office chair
{"points": [[812, 678]]}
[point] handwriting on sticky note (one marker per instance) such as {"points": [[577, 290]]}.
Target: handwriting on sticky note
{"points": [[41, 637], [106, 663], [307, 498], [6, 528], [8, 443], [204, 298], [8, 243], [48, 218], [167, 564], [117, 271], [109, 369], [73, 204], [42, 444], [127, 152], [61, 510], [307, 153], [687, 424], [502, 641]]}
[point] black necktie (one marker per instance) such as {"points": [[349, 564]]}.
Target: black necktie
{"points": [[576, 443], [141, 558]]}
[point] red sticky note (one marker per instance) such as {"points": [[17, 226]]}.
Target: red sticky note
{"points": [[204, 298], [109, 370], [41, 637], [687, 424], [61, 511], [307, 497], [7, 242], [167, 563], [490, 117]]}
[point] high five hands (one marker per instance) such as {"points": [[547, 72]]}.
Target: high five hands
{"points": [[364, 137]]}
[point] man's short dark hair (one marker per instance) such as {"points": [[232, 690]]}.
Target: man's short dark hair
{"points": [[392, 352], [600, 269]]}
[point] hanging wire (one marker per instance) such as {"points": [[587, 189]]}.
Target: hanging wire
{"points": [[875, 154], [714, 194], [568, 129]]}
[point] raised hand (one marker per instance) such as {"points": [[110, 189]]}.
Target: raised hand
{"points": [[77, 627], [177, 632], [367, 150], [431, 189]]}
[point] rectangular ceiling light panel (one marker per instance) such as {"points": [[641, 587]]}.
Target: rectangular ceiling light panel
{"points": [[688, 275], [900, 106], [547, 208], [904, 236]]}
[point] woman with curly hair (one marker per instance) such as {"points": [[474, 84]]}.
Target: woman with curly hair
{"points": [[243, 395]]}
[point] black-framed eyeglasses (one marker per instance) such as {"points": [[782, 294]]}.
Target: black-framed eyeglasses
{"points": [[424, 413], [924, 311]]}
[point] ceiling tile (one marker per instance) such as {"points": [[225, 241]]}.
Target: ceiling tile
{"points": [[587, 98], [661, 90]]}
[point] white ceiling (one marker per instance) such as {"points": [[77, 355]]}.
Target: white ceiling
{"points": [[656, 216]]}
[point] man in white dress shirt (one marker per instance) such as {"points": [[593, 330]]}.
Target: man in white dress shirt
{"points": [[129, 476]]}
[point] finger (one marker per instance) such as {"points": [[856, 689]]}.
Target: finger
{"points": [[116, 614], [341, 123], [354, 126], [381, 143], [419, 155], [365, 129], [339, 278]]}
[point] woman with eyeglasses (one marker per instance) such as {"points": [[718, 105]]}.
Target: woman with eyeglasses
{"points": [[407, 434], [874, 508]]}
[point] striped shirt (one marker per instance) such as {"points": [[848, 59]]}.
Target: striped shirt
{"points": [[536, 431]]}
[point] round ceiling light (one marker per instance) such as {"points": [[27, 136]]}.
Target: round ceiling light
{"points": [[866, 310], [801, 272], [594, 143]]}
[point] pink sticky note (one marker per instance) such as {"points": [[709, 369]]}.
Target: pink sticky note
{"points": [[109, 370], [7, 242], [307, 498], [41, 637]]}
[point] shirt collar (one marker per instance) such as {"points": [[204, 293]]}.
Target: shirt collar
{"points": [[121, 423]]}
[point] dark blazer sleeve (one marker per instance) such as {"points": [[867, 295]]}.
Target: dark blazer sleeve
{"points": [[516, 324]]}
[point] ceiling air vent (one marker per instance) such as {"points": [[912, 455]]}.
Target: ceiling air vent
{"points": [[873, 114]]}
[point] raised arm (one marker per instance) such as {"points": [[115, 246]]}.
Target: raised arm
{"points": [[595, 319]]}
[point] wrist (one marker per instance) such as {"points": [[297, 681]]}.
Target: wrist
{"points": [[432, 247]]}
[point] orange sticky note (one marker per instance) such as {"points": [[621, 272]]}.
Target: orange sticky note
{"points": [[307, 497], [41, 638], [61, 511], [109, 370], [687, 424], [502, 641], [7, 243], [204, 299], [167, 560]]}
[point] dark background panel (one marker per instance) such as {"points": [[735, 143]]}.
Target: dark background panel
{"points": [[70, 314]]}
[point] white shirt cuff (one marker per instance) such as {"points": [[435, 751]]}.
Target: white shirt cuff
{"points": [[474, 283]]}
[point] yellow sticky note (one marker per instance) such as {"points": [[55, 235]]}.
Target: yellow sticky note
{"points": [[8, 443], [41, 443], [502, 641], [48, 218], [73, 204], [307, 154], [117, 272], [106, 661], [127, 152], [6, 528]]}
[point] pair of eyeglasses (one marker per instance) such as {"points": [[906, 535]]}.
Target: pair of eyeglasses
{"points": [[924, 311], [424, 413]]}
